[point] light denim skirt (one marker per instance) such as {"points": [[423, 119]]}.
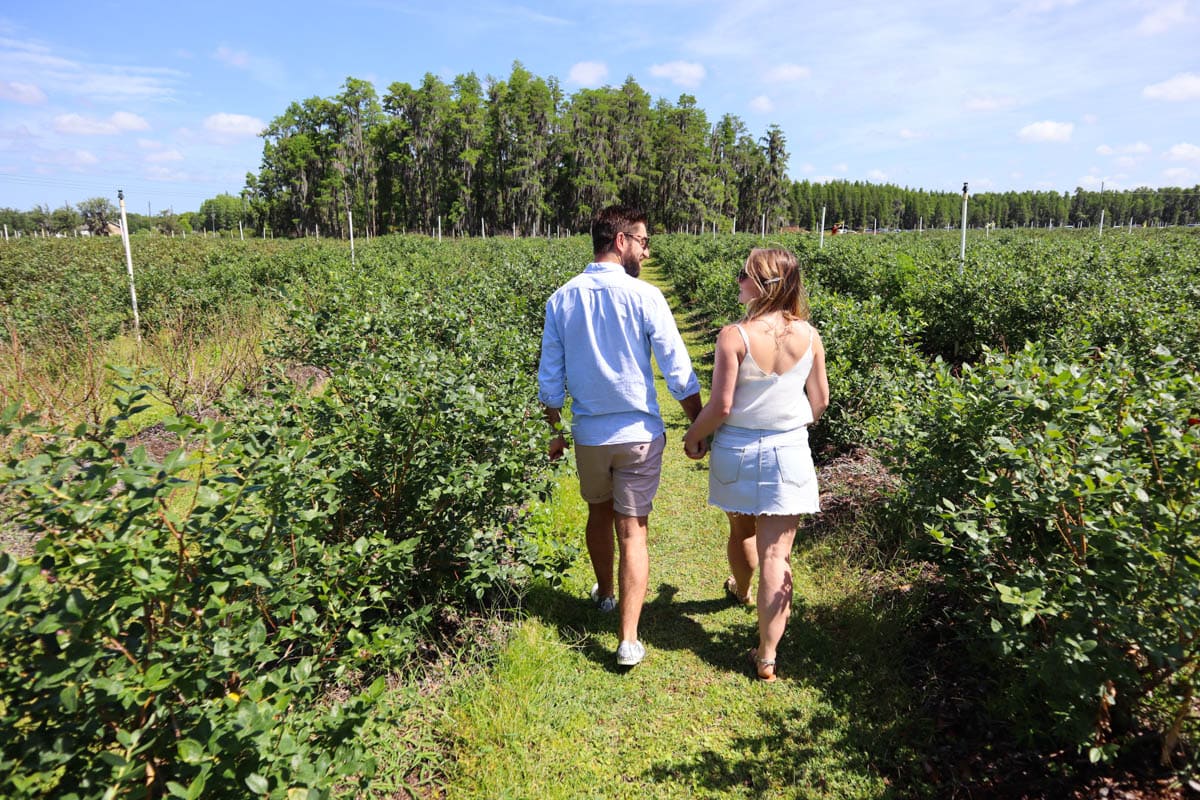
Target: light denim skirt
{"points": [[762, 472]]}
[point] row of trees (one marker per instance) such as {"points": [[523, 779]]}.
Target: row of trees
{"points": [[94, 216], [868, 206], [509, 155]]}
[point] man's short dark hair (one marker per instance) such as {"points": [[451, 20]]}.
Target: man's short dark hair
{"points": [[609, 222]]}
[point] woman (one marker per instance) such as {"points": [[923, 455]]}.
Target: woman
{"points": [[768, 386]]}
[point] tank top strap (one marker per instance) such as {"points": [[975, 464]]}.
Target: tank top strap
{"points": [[745, 338]]}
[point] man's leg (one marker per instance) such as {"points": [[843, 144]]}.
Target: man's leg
{"points": [[600, 544], [634, 572]]}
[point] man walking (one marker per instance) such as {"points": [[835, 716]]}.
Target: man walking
{"points": [[601, 328]]}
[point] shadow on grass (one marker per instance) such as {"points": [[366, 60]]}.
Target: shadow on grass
{"points": [[848, 652]]}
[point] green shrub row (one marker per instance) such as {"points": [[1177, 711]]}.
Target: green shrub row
{"points": [[1062, 501], [1048, 444], [213, 625]]}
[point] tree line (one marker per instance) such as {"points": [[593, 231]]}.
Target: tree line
{"points": [[514, 155], [866, 206], [521, 156]]}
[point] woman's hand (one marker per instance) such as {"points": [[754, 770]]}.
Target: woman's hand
{"points": [[695, 448]]}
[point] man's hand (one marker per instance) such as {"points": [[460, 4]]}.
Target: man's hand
{"points": [[558, 446]]}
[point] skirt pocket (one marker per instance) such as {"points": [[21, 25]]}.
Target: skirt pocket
{"points": [[795, 464], [725, 463]]}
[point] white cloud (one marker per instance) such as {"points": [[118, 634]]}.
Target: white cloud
{"points": [[158, 173], [877, 175], [911, 135], [1184, 86], [1091, 119], [1184, 152], [68, 158], [588, 73], [1164, 19], [26, 93], [129, 122], [1043, 6], [79, 125], [989, 103], [1046, 131], [1137, 148], [1182, 176], [233, 125], [163, 156], [239, 59], [762, 104], [683, 73], [788, 73], [264, 70], [843, 167]]}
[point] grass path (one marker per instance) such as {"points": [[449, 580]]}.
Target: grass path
{"points": [[554, 717]]}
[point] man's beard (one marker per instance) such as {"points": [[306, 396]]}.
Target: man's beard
{"points": [[633, 267]]}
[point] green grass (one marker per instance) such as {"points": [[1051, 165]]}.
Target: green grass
{"points": [[553, 717]]}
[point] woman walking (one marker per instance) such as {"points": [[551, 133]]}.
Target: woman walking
{"points": [[769, 384]]}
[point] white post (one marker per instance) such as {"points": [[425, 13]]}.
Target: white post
{"points": [[482, 230], [1130, 228], [734, 229], [962, 253], [6, 231], [318, 227], [137, 323], [764, 226], [439, 227], [1101, 233], [920, 224], [350, 217], [241, 233], [822, 244]]}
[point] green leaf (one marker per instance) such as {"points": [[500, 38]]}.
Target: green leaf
{"points": [[257, 783]]}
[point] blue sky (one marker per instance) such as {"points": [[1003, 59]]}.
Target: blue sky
{"points": [[165, 100]]}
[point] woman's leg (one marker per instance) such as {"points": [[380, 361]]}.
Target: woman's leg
{"points": [[774, 538], [741, 551]]}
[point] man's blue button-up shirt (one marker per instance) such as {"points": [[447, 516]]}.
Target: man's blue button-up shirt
{"points": [[601, 327]]}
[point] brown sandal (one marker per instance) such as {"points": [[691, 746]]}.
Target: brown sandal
{"points": [[731, 592], [765, 667]]}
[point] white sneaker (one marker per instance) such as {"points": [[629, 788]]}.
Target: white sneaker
{"points": [[607, 605], [630, 653]]}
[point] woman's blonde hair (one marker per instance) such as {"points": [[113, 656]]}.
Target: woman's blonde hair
{"points": [[776, 272]]}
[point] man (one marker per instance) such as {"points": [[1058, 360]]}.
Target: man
{"points": [[601, 328]]}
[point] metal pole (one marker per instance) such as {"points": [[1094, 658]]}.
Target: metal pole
{"points": [[137, 323], [962, 253], [764, 226], [350, 217], [822, 244], [241, 233], [1101, 233]]}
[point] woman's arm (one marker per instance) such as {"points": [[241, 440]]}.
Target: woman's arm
{"points": [[817, 386], [725, 367]]}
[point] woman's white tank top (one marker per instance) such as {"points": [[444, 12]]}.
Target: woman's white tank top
{"points": [[769, 401]]}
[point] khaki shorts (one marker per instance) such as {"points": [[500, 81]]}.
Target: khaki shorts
{"points": [[627, 474]]}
